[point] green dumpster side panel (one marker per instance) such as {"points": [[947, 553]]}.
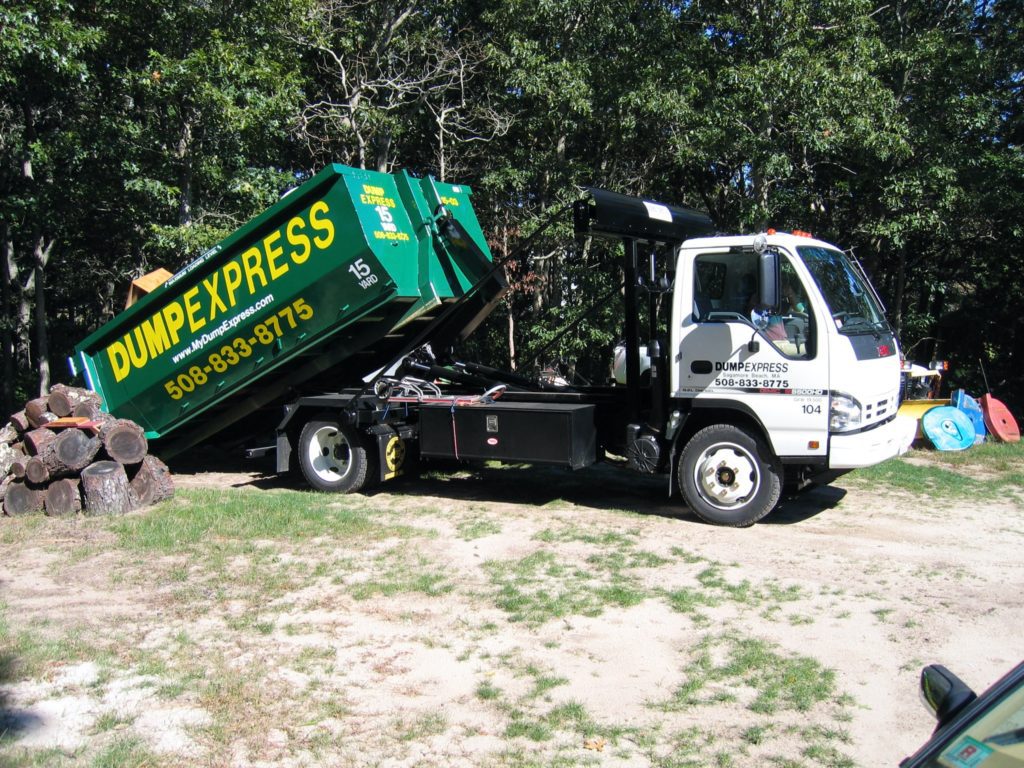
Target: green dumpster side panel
{"points": [[345, 260]]}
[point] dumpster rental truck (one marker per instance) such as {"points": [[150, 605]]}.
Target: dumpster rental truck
{"points": [[747, 360]]}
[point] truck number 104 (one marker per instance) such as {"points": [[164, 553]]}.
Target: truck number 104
{"points": [[812, 409], [363, 273]]}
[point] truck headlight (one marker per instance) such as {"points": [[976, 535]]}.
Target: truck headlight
{"points": [[844, 413]]}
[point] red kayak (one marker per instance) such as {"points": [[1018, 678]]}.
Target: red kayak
{"points": [[999, 420]]}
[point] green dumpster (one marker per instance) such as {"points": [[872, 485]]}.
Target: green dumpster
{"points": [[320, 288]]}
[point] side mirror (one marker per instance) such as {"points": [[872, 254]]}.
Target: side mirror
{"points": [[768, 292], [944, 693]]}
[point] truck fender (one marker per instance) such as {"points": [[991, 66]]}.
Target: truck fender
{"points": [[703, 413], [296, 414]]}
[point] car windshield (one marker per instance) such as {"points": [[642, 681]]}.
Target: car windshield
{"points": [[995, 738], [851, 302]]}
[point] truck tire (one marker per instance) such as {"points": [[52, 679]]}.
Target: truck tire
{"points": [[728, 476], [333, 458]]}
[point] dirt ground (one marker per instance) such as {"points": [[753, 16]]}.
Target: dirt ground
{"points": [[854, 586]]}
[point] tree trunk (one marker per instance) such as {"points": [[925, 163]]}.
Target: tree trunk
{"points": [[90, 411], [37, 440], [20, 421], [124, 441], [41, 256], [184, 154], [63, 399], [7, 350], [22, 499], [152, 482], [36, 471], [511, 341], [72, 451], [25, 289], [22, 323], [37, 413], [17, 468], [901, 282], [105, 489], [63, 497]]}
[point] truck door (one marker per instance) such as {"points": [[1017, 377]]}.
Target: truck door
{"points": [[772, 365]]}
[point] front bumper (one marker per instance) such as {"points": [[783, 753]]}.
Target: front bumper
{"points": [[864, 449]]}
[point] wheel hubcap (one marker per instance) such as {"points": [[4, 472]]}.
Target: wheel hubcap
{"points": [[329, 454], [727, 475]]}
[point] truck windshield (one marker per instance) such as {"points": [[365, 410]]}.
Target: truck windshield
{"points": [[851, 303]]}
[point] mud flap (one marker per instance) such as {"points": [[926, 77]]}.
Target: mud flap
{"points": [[397, 454]]}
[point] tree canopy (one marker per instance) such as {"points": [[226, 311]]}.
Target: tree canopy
{"points": [[135, 135]]}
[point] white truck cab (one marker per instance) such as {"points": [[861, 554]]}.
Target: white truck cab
{"points": [[775, 362], [815, 368]]}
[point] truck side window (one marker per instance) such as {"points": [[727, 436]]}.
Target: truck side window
{"points": [[791, 330], [708, 286], [725, 286]]}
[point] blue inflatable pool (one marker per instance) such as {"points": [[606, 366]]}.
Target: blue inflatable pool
{"points": [[948, 428]]}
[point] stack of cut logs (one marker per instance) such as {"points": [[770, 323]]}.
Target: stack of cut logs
{"points": [[62, 455]]}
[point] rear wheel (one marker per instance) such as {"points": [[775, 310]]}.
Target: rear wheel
{"points": [[728, 476], [333, 458]]}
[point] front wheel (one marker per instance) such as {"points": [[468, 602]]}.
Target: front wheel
{"points": [[728, 476], [333, 458]]}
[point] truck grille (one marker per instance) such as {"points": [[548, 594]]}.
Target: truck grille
{"points": [[879, 410]]}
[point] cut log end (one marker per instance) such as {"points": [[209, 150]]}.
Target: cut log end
{"points": [[63, 399], [73, 451], [63, 497], [88, 410], [22, 499], [152, 482], [20, 421], [36, 471], [106, 490], [124, 441], [38, 413], [37, 440]]}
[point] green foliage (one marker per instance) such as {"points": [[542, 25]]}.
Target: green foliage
{"points": [[137, 135]]}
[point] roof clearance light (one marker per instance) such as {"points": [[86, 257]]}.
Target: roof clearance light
{"points": [[771, 231]]}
